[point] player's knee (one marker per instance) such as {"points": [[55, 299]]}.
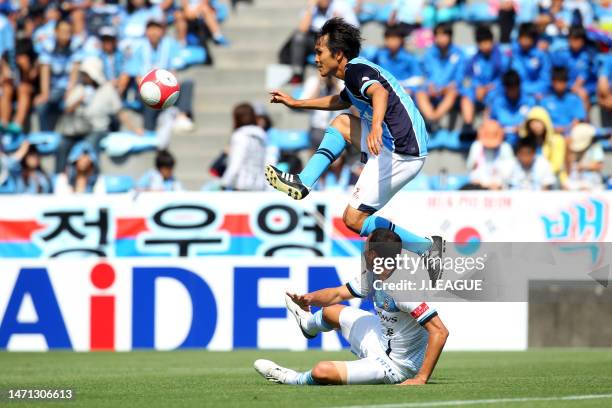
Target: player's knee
{"points": [[353, 219], [343, 124], [325, 372]]}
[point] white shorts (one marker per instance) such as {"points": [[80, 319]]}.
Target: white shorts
{"points": [[362, 330], [382, 176]]}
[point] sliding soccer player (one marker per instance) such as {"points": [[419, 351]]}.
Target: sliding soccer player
{"points": [[390, 132], [401, 344]]}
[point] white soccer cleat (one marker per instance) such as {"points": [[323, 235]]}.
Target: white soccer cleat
{"points": [[273, 372], [301, 316]]}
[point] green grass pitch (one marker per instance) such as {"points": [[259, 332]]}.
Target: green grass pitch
{"points": [[222, 379]]}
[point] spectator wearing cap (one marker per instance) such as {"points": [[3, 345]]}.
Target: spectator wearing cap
{"points": [[443, 69], [580, 61], [302, 42], [585, 160], [90, 107], [247, 153], [604, 89], [400, 63], [511, 106], [490, 160], [550, 144], [484, 72], [161, 178], [112, 58], [532, 64], [159, 51], [531, 171], [58, 73], [565, 107], [27, 173], [82, 172], [134, 23], [194, 11]]}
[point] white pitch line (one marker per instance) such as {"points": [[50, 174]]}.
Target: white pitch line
{"points": [[481, 401]]}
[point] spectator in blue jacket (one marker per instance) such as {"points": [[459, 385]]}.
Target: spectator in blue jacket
{"points": [[484, 70], [565, 107], [111, 57], [531, 63], [27, 173], [510, 107], [58, 72], [579, 59], [162, 177], [443, 68], [399, 62]]}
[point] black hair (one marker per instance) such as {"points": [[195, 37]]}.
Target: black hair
{"points": [[131, 8], [511, 79], [483, 33], [444, 28], [577, 31], [528, 30], [342, 36], [528, 142], [244, 115], [394, 31], [385, 243], [560, 74], [164, 159]]}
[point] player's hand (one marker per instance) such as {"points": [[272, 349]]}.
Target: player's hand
{"points": [[417, 380], [281, 97], [302, 301], [375, 140]]}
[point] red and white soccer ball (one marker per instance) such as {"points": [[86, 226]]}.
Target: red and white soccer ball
{"points": [[159, 89]]}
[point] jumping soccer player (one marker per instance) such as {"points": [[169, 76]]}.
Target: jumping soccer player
{"points": [[389, 125], [400, 344]]}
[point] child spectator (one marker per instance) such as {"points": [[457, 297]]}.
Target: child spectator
{"points": [[604, 90], [162, 177], [302, 42], [28, 175], [490, 159], [82, 173], [399, 62], [58, 72], [549, 144], [579, 60], [484, 70], [531, 63], [531, 171], [585, 160], [565, 107], [443, 68], [511, 106], [247, 153]]}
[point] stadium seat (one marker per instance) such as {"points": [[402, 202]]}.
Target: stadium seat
{"points": [[118, 184], [46, 142], [288, 139], [118, 144], [191, 55], [419, 183], [10, 142]]}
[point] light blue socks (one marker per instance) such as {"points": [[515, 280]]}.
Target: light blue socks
{"points": [[410, 242], [329, 150], [317, 322]]}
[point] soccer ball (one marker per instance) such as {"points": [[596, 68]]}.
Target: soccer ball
{"points": [[159, 89]]}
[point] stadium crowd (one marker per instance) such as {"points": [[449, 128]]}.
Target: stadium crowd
{"points": [[525, 100]]}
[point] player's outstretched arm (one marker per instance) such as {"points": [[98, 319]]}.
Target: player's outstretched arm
{"points": [[331, 103], [438, 333], [322, 298]]}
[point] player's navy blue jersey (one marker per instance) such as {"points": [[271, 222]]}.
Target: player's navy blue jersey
{"points": [[403, 126]]}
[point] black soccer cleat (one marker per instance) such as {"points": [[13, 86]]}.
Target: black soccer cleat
{"points": [[287, 183], [434, 258]]}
